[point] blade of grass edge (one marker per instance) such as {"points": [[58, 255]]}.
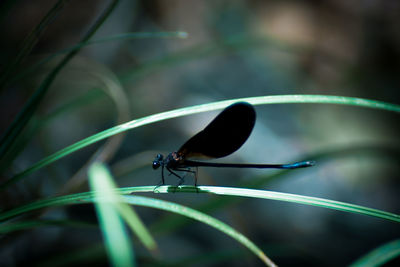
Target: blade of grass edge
{"points": [[294, 198], [89, 197], [170, 223], [380, 255], [26, 113], [201, 217], [128, 213], [243, 192], [30, 41], [277, 99], [117, 243]]}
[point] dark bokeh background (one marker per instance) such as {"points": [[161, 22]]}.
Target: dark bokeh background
{"points": [[233, 49]]}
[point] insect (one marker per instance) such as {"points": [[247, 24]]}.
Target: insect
{"points": [[223, 136]]}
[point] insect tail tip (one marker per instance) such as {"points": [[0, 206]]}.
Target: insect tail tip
{"points": [[310, 163]]}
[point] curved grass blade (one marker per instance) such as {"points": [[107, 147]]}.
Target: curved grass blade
{"points": [[380, 255], [31, 40], [38, 123], [201, 217], [29, 108], [312, 201], [241, 192], [170, 223], [278, 99], [89, 197], [116, 240], [124, 210]]}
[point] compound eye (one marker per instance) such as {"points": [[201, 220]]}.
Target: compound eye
{"points": [[156, 164], [159, 157]]}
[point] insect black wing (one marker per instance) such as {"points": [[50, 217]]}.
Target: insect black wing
{"points": [[224, 135]]}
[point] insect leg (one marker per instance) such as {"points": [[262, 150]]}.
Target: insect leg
{"points": [[180, 178], [189, 170], [195, 177], [162, 175]]}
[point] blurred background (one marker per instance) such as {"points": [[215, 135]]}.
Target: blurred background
{"points": [[233, 49]]}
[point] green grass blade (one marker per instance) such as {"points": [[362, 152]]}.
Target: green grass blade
{"points": [[134, 221], [241, 192], [299, 199], [171, 223], [137, 226], [28, 110], [116, 240], [265, 194], [380, 255], [130, 216], [31, 40], [39, 123], [277, 99], [201, 217], [141, 201]]}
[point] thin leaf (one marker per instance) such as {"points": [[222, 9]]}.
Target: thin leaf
{"points": [[380, 255], [265, 194], [171, 223], [242, 192], [28, 110], [129, 215], [31, 40], [141, 201], [117, 243], [201, 217], [278, 99]]}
